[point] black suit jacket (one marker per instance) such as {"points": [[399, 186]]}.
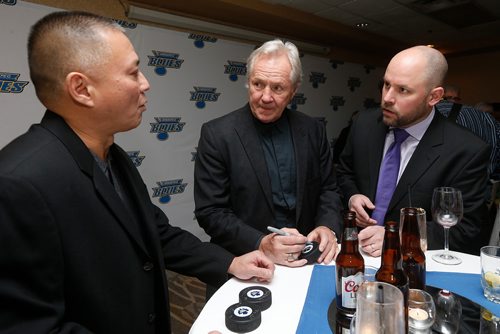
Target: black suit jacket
{"points": [[72, 259], [447, 155], [232, 188]]}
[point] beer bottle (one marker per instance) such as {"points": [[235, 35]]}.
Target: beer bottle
{"points": [[349, 267], [391, 266], [413, 256]]}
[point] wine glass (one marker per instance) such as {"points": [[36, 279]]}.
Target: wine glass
{"points": [[447, 210]]}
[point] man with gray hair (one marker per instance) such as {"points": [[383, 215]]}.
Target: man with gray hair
{"points": [[266, 165], [432, 152]]}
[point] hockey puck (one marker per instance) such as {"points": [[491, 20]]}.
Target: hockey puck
{"points": [[256, 296], [310, 252], [242, 318]]}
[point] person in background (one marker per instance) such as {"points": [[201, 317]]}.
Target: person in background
{"points": [[82, 247], [433, 152], [266, 165], [452, 93]]}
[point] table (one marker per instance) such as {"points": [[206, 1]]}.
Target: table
{"points": [[289, 289]]}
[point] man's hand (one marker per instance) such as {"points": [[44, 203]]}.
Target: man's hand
{"points": [[371, 240], [250, 265], [284, 250], [360, 204], [327, 243]]}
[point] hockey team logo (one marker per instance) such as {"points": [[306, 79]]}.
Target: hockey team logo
{"points": [[202, 95], [165, 125], [297, 99], [194, 154], [235, 68], [369, 68], [316, 78], [336, 63], [353, 83], [200, 40], [135, 157], [336, 102], [9, 83], [162, 60], [8, 2], [126, 24], [166, 189]]}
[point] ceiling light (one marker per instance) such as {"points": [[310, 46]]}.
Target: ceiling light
{"points": [[362, 25], [189, 24]]}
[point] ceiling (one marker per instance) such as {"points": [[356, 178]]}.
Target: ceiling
{"points": [[456, 27]]}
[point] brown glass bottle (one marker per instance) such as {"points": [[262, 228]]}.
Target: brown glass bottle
{"points": [[350, 267], [413, 256], [342, 324], [391, 266]]}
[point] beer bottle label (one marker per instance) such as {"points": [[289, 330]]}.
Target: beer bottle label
{"points": [[350, 286]]}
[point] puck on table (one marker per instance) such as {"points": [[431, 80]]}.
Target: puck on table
{"points": [[242, 318], [257, 296]]}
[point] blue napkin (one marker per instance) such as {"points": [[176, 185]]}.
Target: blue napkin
{"points": [[321, 292]]}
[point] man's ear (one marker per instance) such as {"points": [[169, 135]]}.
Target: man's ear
{"points": [[436, 95], [79, 88]]}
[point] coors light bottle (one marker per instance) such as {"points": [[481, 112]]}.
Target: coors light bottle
{"points": [[350, 267]]}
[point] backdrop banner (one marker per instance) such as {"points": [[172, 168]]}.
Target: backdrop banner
{"points": [[194, 78]]}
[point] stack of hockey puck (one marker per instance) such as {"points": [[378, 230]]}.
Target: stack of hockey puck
{"points": [[245, 316]]}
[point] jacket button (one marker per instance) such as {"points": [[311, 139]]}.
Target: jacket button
{"points": [[148, 266], [151, 317]]}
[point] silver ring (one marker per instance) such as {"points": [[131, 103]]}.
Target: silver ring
{"points": [[290, 257]]}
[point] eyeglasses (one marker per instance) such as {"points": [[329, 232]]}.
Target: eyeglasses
{"points": [[452, 98]]}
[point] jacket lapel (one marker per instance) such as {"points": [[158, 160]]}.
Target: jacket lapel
{"points": [[84, 159], [251, 145], [300, 148], [376, 151]]}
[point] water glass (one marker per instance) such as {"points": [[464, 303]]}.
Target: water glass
{"points": [[490, 272], [379, 309]]}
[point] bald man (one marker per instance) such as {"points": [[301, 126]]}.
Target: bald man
{"points": [[435, 153]]}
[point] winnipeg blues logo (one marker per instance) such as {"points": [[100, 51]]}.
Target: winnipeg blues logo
{"points": [[194, 154], [164, 125], [353, 83], [202, 95], [135, 157], [336, 102], [200, 40], [166, 189], [9, 83], [8, 2], [336, 63], [126, 24], [297, 99], [316, 78], [163, 60], [235, 68], [369, 68]]}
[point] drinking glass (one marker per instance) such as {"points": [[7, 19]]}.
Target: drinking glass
{"points": [[490, 272], [447, 210], [379, 309]]}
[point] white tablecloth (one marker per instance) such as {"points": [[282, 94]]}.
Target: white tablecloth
{"points": [[289, 290]]}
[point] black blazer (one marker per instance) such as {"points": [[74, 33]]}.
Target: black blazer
{"points": [[232, 189], [72, 258], [447, 155]]}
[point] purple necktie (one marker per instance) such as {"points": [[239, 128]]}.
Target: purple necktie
{"points": [[388, 176]]}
